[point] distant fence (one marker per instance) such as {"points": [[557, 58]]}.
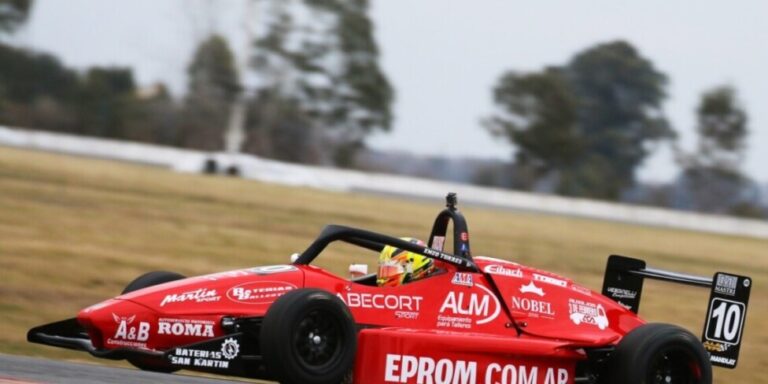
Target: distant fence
{"points": [[256, 168]]}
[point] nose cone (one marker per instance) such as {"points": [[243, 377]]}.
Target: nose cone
{"points": [[186, 310], [244, 291], [118, 323]]}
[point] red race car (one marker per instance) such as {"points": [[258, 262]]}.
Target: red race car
{"points": [[476, 320]]}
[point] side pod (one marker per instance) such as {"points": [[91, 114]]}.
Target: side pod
{"points": [[726, 312]]}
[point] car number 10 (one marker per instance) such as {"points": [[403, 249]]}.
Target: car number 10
{"points": [[727, 316]]}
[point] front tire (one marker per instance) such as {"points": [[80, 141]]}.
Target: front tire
{"points": [[660, 354], [152, 278], [147, 280], [308, 336]]}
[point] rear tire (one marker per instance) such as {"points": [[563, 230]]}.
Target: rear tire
{"points": [[147, 280], [660, 354], [308, 336]]}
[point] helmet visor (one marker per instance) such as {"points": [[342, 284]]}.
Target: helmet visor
{"points": [[390, 268], [390, 273]]}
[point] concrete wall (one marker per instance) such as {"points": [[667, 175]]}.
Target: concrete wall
{"points": [[252, 167]]}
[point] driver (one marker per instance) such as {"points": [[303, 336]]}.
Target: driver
{"points": [[398, 266]]}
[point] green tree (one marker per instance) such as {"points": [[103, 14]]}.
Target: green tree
{"points": [[712, 180], [366, 105], [277, 128], [39, 92], [154, 117], [106, 102], [537, 114], [722, 129], [36, 90], [620, 94], [321, 55], [13, 13], [589, 124], [26, 75], [213, 85]]}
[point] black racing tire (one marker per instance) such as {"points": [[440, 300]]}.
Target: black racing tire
{"points": [[660, 354], [308, 336], [147, 280], [152, 278]]}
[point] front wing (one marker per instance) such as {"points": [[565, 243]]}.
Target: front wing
{"points": [[229, 355]]}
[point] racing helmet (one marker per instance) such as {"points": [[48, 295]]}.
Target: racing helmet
{"points": [[398, 266]]}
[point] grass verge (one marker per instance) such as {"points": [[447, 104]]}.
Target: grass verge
{"points": [[74, 231]]}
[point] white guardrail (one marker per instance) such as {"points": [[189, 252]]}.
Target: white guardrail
{"points": [[252, 167]]}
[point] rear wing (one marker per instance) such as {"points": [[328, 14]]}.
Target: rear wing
{"points": [[726, 312]]}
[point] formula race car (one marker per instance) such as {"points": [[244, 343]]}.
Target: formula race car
{"points": [[476, 320]]}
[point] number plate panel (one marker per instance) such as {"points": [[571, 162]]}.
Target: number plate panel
{"points": [[726, 315]]}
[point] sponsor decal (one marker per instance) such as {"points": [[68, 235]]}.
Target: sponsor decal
{"points": [[444, 256], [532, 288], [200, 295], [462, 309], [713, 346], [496, 269], [726, 284], [422, 369], [722, 360], [582, 290], [190, 357], [272, 269], [185, 327], [407, 315], [129, 334], [462, 278], [259, 292], [510, 373], [464, 236], [433, 253], [381, 301], [620, 293], [550, 280], [405, 306], [444, 321], [582, 312], [230, 348], [534, 308], [437, 242]]}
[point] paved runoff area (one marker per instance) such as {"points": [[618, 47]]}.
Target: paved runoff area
{"points": [[22, 370]]}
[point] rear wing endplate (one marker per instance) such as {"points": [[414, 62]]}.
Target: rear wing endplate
{"points": [[726, 312]]}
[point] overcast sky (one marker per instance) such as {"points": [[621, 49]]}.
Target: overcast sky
{"points": [[444, 56]]}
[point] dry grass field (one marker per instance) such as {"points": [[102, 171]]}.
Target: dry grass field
{"points": [[74, 231]]}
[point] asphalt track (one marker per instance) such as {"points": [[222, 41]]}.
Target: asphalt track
{"points": [[23, 370]]}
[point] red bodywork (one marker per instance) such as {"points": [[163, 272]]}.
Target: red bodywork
{"points": [[506, 323]]}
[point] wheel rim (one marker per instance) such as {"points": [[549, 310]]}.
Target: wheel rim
{"points": [[318, 340], [675, 366]]}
